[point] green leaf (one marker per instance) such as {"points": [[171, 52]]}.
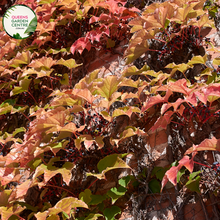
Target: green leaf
{"points": [[112, 161], [17, 90], [85, 196], [18, 130], [193, 185], [32, 26], [55, 51], [154, 186], [6, 109], [180, 173], [65, 215], [23, 87], [96, 199], [133, 70], [116, 193], [93, 216], [194, 174], [136, 50], [159, 172], [65, 79], [124, 181], [110, 213], [9, 101]]}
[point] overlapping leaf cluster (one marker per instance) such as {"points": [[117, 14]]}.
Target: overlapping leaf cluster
{"points": [[185, 20], [41, 142], [48, 132]]}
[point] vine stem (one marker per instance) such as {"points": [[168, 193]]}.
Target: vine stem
{"points": [[61, 188], [202, 164], [92, 183], [32, 97]]}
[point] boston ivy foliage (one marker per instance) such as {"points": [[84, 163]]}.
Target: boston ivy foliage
{"points": [[60, 136]]}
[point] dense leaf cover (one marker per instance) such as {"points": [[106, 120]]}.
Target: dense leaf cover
{"points": [[60, 132]]}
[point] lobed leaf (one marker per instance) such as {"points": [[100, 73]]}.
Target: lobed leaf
{"points": [[110, 162]]}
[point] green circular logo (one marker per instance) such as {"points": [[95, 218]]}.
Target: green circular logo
{"points": [[19, 21]]}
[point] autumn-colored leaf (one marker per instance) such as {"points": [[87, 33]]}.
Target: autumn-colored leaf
{"points": [[136, 51], [108, 86], [216, 61], [175, 105], [182, 13], [44, 62], [45, 27], [71, 63], [198, 59], [6, 212], [171, 174], [64, 205], [80, 44], [86, 94], [125, 111], [160, 14], [4, 196], [21, 58], [133, 70], [162, 121], [178, 86], [156, 100], [207, 144], [88, 139], [64, 100], [50, 170], [23, 87], [40, 73], [20, 190]]}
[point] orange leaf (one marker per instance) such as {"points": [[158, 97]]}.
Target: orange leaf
{"points": [[45, 62], [207, 144], [45, 27]]}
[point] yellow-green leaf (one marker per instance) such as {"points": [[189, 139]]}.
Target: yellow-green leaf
{"points": [[71, 63], [108, 86]]}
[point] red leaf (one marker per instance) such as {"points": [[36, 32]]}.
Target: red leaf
{"points": [[80, 44], [178, 86], [171, 174], [155, 100], [188, 163], [163, 121], [175, 105]]}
